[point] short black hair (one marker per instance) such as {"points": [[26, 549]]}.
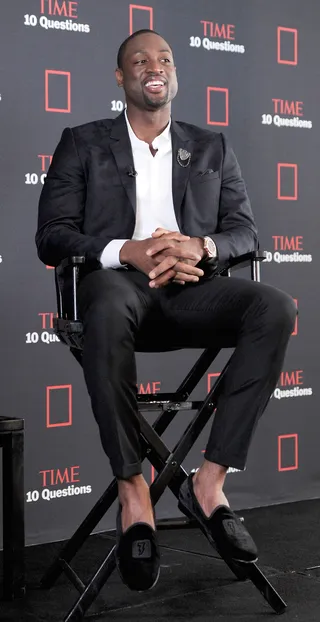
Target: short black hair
{"points": [[123, 45]]}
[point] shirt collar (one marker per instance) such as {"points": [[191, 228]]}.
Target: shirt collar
{"points": [[164, 139]]}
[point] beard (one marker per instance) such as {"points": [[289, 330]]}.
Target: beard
{"points": [[155, 102]]}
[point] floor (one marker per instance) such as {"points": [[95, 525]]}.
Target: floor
{"points": [[194, 584]]}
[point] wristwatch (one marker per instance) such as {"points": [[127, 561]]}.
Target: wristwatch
{"points": [[209, 248]]}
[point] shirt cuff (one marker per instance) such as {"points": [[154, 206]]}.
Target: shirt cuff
{"points": [[110, 256]]}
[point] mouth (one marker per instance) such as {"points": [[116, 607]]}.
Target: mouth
{"points": [[154, 85]]}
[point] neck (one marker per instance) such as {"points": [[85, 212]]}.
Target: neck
{"points": [[147, 124]]}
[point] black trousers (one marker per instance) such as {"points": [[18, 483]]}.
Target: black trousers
{"points": [[122, 314]]}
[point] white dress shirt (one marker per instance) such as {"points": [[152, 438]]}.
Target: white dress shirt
{"points": [[154, 202]]}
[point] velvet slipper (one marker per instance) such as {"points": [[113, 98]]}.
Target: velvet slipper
{"points": [[223, 528], [137, 555]]}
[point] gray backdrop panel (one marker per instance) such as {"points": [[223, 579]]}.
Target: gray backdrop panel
{"points": [[40, 381]]}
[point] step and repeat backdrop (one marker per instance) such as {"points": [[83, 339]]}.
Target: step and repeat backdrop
{"points": [[248, 68]]}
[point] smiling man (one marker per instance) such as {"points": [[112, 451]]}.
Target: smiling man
{"points": [[157, 206]]}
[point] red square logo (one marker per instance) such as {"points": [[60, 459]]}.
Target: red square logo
{"points": [[214, 92], [295, 330], [210, 381], [283, 167], [138, 7], [65, 85], [293, 34], [288, 452], [55, 408]]}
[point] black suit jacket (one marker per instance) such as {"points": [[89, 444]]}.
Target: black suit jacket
{"points": [[89, 199]]}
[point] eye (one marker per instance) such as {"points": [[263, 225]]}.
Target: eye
{"points": [[166, 60], [139, 62]]}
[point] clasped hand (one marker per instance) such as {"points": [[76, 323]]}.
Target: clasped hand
{"points": [[166, 256]]}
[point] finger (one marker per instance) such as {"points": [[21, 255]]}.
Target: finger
{"points": [[161, 256], [166, 264], [188, 278], [181, 253], [163, 279], [186, 268], [180, 277], [159, 232], [170, 235], [176, 235], [160, 245], [165, 245], [179, 282]]}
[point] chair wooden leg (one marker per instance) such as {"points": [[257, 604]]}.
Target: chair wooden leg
{"points": [[251, 571], [264, 586], [13, 516], [92, 589], [80, 536]]}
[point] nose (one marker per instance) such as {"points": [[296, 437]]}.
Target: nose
{"points": [[154, 66]]}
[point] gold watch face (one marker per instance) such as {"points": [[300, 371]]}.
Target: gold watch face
{"points": [[209, 247]]}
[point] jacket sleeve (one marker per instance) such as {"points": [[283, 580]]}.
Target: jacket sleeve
{"points": [[61, 209], [236, 233]]}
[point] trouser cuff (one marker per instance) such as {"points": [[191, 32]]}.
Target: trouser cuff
{"points": [[127, 470], [225, 460]]}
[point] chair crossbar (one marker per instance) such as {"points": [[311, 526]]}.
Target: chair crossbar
{"points": [[163, 405], [93, 588], [72, 576], [170, 462], [189, 383]]}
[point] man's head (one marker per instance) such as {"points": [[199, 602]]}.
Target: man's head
{"points": [[146, 70]]}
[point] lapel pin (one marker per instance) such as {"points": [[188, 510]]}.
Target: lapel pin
{"points": [[183, 157]]}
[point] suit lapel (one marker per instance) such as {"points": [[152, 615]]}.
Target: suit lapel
{"points": [[180, 174], [120, 146]]}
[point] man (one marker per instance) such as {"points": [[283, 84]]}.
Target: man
{"points": [[156, 207]]}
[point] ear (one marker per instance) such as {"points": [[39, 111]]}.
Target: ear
{"points": [[119, 77]]}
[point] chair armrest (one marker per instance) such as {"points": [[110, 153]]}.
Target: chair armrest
{"points": [[245, 260], [251, 259], [73, 262]]}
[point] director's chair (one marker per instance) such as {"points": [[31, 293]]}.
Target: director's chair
{"points": [[166, 463]]}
